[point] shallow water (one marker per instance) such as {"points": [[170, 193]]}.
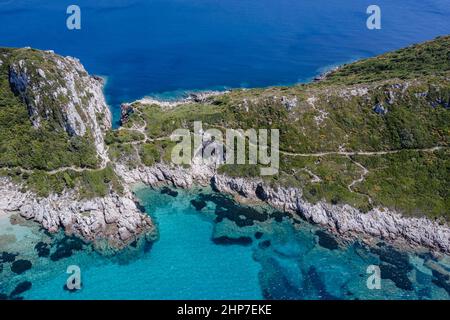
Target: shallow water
{"points": [[226, 251]]}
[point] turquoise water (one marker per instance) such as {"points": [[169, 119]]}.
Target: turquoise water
{"points": [[168, 47], [224, 251]]}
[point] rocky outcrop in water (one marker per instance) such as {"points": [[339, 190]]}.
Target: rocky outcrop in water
{"points": [[343, 219], [67, 95], [161, 173], [58, 92], [114, 218]]}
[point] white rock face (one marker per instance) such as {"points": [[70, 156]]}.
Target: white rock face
{"points": [[160, 173], [344, 220], [66, 89], [116, 217], [109, 218], [78, 101]]}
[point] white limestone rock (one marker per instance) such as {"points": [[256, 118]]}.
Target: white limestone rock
{"points": [[93, 220], [76, 95], [344, 219]]}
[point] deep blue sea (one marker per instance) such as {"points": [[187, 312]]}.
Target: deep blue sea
{"points": [[167, 47]]}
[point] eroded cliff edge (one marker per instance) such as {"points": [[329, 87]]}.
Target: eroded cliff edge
{"points": [[343, 220], [54, 120]]}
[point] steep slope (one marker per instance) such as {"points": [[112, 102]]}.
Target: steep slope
{"points": [[53, 159], [63, 103]]}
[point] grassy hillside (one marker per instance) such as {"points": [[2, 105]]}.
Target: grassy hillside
{"points": [[425, 59], [397, 102]]}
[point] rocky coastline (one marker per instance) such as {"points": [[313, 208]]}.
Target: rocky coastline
{"points": [[110, 222], [192, 97], [343, 220], [116, 220]]}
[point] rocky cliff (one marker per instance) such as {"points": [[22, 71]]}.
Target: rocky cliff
{"points": [[60, 96], [344, 220], [60, 90], [362, 143], [109, 222]]}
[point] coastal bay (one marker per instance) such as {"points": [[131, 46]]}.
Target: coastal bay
{"points": [[363, 179]]}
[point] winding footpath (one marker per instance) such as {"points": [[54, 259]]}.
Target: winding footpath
{"points": [[315, 178], [359, 153]]}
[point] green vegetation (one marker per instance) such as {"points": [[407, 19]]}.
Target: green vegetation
{"points": [[411, 84], [123, 136], [89, 183], [417, 183], [46, 148], [161, 123], [156, 152], [429, 58], [49, 147]]}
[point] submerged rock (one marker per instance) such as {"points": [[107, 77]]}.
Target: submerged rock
{"points": [[65, 248], [441, 275], [395, 265], [21, 288], [326, 240], [265, 244], [42, 249], [231, 210], [20, 266], [224, 240], [314, 283], [396, 275], [8, 257], [168, 191], [198, 204]]}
